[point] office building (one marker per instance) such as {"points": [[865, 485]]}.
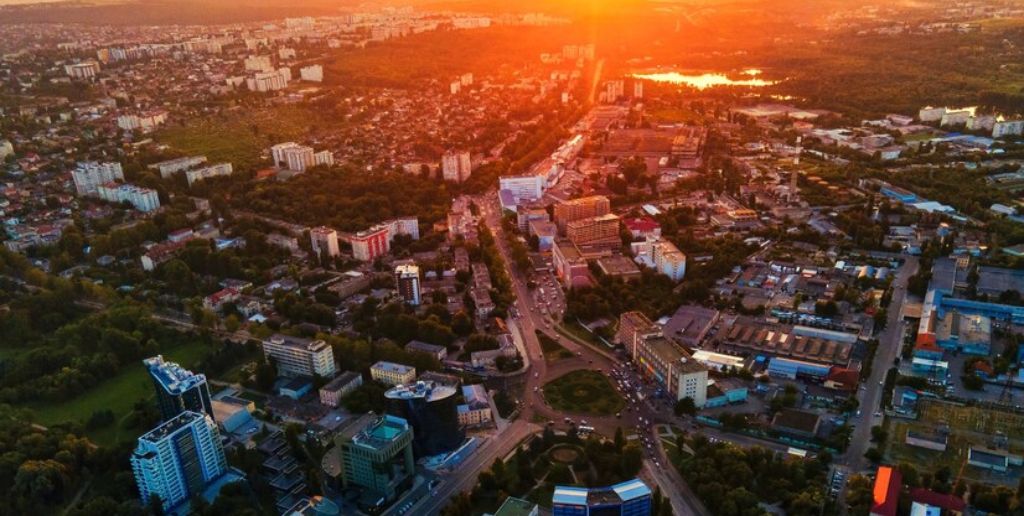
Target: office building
{"points": [[520, 188], [392, 374], [341, 386], [178, 460], [142, 199], [178, 389], [634, 327], [89, 175], [476, 410], [679, 375], [630, 498], [375, 456], [407, 277], [296, 356], [456, 166], [324, 241], [582, 208], [431, 409], [594, 231]]}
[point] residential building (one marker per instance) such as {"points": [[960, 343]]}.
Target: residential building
{"points": [[431, 410], [370, 244], [476, 411], [312, 73], [258, 64], [375, 455], [89, 175], [170, 167], [199, 174], [6, 149], [263, 82], [297, 356], [144, 122], [178, 389], [142, 199], [178, 460], [594, 231], [324, 241], [456, 166], [633, 328], [86, 70], [341, 386], [438, 352], [582, 208], [630, 498], [407, 277], [520, 188], [1004, 128], [392, 374], [669, 260]]}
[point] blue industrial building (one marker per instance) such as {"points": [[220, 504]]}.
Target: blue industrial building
{"points": [[630, 498], [793, 369]]}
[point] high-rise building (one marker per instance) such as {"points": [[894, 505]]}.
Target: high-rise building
{"points": [[178, 460], [258, 64], [178, 389], [594, 231], [456, 166], [86, 70], [312, 73], [371, 244], [630, 498], [432, 410], [407, 277], [324, 241], [297, 356], [376, 455], [584, 207], [142, 199], [669, 260], [89, 175]]}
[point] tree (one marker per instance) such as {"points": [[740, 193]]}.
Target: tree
{"points": [[685, 406]]}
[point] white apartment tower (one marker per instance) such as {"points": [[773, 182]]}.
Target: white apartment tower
{"points": [[324, 241], [296, 356], [456, 166], [89, 175]]}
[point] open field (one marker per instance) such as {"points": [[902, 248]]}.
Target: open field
{"points": [[240, 136], [968, 426], [117, 394], [583, 392]]}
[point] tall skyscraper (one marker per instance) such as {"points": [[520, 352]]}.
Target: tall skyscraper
{"points": [[407, 277], [178, 389], [178, 459], [432, 410], [324, 241]]}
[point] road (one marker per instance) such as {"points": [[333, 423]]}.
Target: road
{"points": [[890, 343], [464, 479]]}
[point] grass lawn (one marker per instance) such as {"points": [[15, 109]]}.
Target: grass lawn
{"points": [[553, 351], [117, 394], [583, 392], [240, 136]]}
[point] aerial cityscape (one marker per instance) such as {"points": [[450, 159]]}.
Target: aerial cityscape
{"points": [[512, 258]]}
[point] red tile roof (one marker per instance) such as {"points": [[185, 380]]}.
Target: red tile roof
{"points": [[886, 495], [945, 501]]}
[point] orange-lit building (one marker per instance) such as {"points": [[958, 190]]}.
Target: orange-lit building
{"points": [[584, 207], [886, 495], [594, 231]]}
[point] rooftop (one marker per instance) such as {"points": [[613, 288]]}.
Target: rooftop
{"points": [[171, 426], [427, 390], [392, 367], [341, 380], [297, 342], [172, 377]]}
